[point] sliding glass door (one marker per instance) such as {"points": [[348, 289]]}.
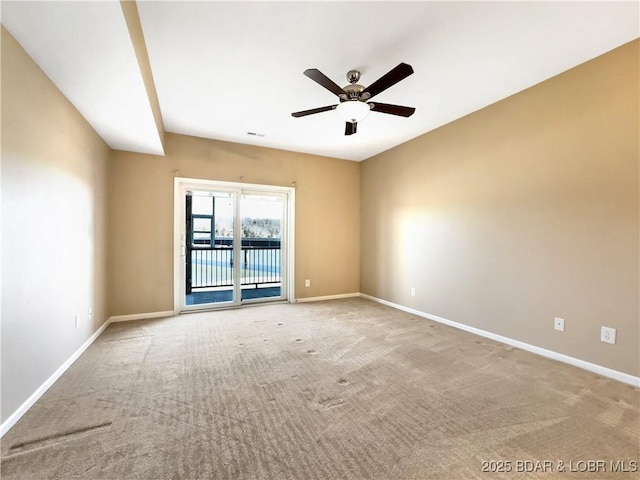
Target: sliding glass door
{"points": [[233, 245], [209, 227], [262, 253]]}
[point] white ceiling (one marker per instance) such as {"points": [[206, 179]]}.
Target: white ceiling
{"points": [[85, 49], [223, 69]]}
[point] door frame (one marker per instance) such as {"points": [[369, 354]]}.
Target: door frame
{"points": [[181, 184]]}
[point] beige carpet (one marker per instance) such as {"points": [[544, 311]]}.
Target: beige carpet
{"points": [[346, 389]]}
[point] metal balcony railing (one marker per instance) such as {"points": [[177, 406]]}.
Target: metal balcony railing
{"points": [[212, 266]]}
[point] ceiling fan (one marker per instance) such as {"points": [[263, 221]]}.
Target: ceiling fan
{"points": [[354, 104]]}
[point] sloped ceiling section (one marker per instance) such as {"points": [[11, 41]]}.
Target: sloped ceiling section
{"points": [[86, 50], [223, 69]]}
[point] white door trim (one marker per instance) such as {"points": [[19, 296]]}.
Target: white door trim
{"points": [[288, 237]]}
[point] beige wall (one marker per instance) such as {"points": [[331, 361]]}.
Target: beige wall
{"points": [[130, 11], [53, 227], [141, 216], [521, 212]]}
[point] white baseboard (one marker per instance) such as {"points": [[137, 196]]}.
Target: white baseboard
{"points": [[576, 362], [22, 409], [327, 297], [141, 316]]}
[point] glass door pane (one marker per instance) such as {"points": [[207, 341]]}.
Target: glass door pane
{"points": [[262, 226], [209, 260]]}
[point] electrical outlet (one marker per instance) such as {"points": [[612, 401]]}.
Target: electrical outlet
{"points": [[558, 324], [90, 314], [608, 335], [307, 283], [77, 319], [413, 291]]}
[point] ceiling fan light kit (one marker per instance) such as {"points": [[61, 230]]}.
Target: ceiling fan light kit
{"points": [[353, 105], [353, 110]]}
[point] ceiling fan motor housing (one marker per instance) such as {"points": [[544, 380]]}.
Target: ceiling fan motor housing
{"points": [[353, 91]]}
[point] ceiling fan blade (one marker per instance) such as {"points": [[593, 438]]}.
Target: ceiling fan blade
{"points": [[350, 128], [304, 113], [319, 77], [392, 109], [389, 79]]}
